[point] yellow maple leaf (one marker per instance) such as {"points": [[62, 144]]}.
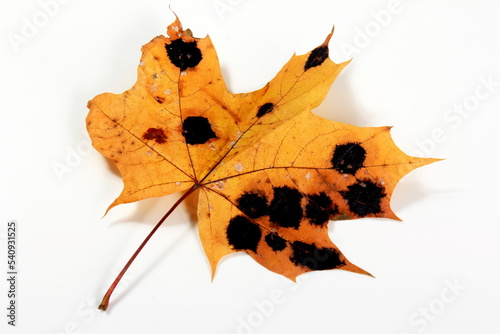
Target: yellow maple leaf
{"points": [[269, 173]]}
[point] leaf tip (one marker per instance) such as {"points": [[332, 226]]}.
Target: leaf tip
{"points": [[112, 205], [392, 215], [175, 30], [422, 161], [213, 269], [328, 37], [362, 272]]}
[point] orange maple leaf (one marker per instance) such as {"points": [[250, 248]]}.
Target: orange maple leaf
{"points": [[269, 173]]}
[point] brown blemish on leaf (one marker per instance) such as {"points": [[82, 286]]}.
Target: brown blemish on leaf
{"points": [[155, 134], [159, 99]]}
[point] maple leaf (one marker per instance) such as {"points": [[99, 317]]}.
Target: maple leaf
{"points": [[269, 173]]}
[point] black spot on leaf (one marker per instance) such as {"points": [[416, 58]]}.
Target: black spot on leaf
{"points": [[274, 241], [314, 258], [285, 208], [364, 197], [348, 158], [252, 204], [242, 234], [265, 109], [155, 134], [183, 54], [197, 130], [317, 57], [320, 208]]}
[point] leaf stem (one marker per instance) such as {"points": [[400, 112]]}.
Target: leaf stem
{"points": [[105, 300]]}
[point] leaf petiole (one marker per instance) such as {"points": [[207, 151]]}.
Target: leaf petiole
{"points": [[105, 300]]}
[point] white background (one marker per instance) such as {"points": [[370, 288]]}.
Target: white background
{"points": [[436, 272]]}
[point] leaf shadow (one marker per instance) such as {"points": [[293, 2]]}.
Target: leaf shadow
{"points": [[340, 104], [409, 193], [150, 210], [112, 167], [145, 209], [145, 271]]}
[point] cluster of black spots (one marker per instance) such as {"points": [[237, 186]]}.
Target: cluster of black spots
{"points": [[242, 234], [197, 130], [285, 208], [155, 134], [183, 54], [317, 57], [363, 197], [314, 258], [252, 204], [348, 158], [276, 242], [320, 208], [265, 109]]}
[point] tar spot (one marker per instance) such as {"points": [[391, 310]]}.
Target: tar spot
{"points": [[276, 242], [155, 134], [320, 208], [265, 109], [314, 258], [183, 54], [197, 130], [348, 158], [364, 197], [253, 205], [242, 234], [285, 208], [317, 57]]}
